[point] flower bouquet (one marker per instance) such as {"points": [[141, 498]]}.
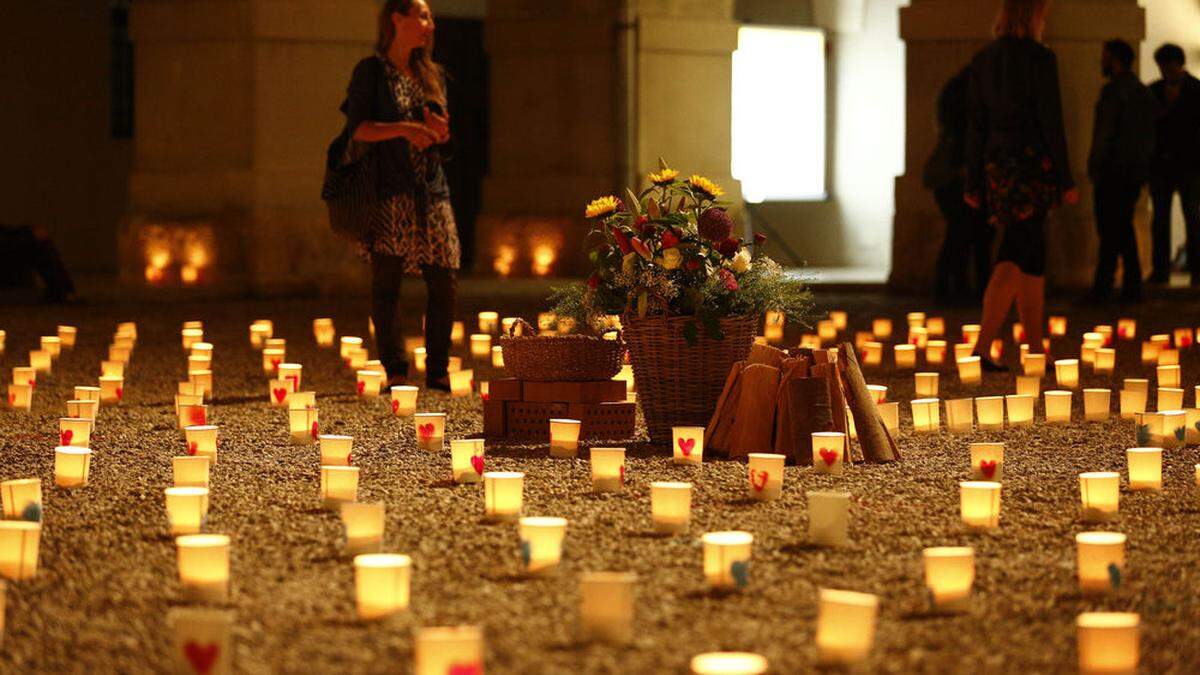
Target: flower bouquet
{"points": [[688, 293]]}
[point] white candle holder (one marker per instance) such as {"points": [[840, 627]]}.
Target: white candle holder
{"points": [[990, 411], [22, 499], [828, 452], [202, 381], [890, 413], [881, 328], [1106, 360], [481, 346], [1100, 558], [826, 331], [347, 344], [980, 505], [949, 576], [926, 385], [339, 484], [190, 471], [20, 396], [74, 431], [845, 626], [445, 650], [1173, 429], [192, 415], [688, 445], [187, 509], [324, 332], [960, 415], [1029, 385], [962, 350], [461, 383], [404, 400], [970, 370], [291, 373], [935, 352], [564, 438], [1067, 373], [40, 361], [1169, 398], [336, 450], [1133, 402], [112, 368], [541, 541], [670, 506], [466, 460], [302, 423], [369, 383], [970, 333], [489, 322], [1108, 642], [112, 389], [19, 545], [828, 518], [872, 353], [1192, 422], [430, 429], [259, 333], [204, 567], [1097, 404], [727, 559], [381, 582], [1183, 338], [606, 606], [1019, 408], [906, 356], [279, 392], [72, 466], [1145, 468], [202, 640], [84, 410], [878, 392], [765, 476], [987, 461], [729, 663], [926, 414], [1034, 365], [608, 469], [201, 441], [120, 353], [1100, 494], [364, 525], [1168, 376], [503, 495], [272, 358], [1058, 407]]}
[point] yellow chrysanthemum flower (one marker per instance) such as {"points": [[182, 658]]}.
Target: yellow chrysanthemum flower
{"points": [[602, 207], [664, 177], [706, 186]]}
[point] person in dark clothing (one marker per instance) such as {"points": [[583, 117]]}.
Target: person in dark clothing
{"points": [[1176, 164], [1017, 165], [968, 237], [26, 252], [1118, 166]]}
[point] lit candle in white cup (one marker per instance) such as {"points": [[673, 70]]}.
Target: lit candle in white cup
{"points": [[202, 380], [608, 469], [906, 356], [564, 438], [346, 344], [845, 626], [828, 518], [926, 385], [364, 527], [336, 450], [1106, 360], [271, 359], [1145, 468], [826, 331], [765, 476], [970, 370], [66, 336], [404, 400], [878, 392], [112, 368], [987, 461], [381, 582], [488, 322], [302, 423], [74, 431], [260, 332], [192, 415], [187, 509], [20, 396], [541, 541], [1174, 429], [1108, 642], [503, 495], [279, 392], [1169, 398], [190, 471], [882, 328], [828, 450], [71, 466], [1192, 422], [22, 499], [466, 460], [872, 353], [292, 372], [1168, 376], [729, 663], [1133, 402], [1099, 493], [448, 650], [431, 430], [1020, 409], [1058, 407], [1100, 558], [1034, 365], [202, 441], [1067, 373], [890, 413], [19, 545], [980, 504], [990, 411], [606, 606], [1097, 403], [926, 414], [481, 346], [461, 383], [324, 332], [688, 445], [727, 559], [112, 389], [670, 506], [949, 576], [960, 415], [339, 484], [202, 640], [204, 566], [369, 382], [935, 352]]}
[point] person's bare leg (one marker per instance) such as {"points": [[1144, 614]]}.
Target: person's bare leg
{"points": [[1031, 299], [997, 300]]}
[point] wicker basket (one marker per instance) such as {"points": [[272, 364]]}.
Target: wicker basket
{"points": [[559, 358], [678, 384]]}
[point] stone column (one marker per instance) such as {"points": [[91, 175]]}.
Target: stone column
{"points": [[941, 36]]}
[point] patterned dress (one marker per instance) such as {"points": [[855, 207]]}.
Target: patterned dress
{"points": [[397, 227]]}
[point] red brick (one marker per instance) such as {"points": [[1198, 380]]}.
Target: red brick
{"points": [[575, 392], [493, 419], [531, 420], [507, 389]]}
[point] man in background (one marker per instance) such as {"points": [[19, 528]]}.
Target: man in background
{"points": [[1176, 165], [1118, 166]]}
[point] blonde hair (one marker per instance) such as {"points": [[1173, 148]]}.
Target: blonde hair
{"points": [[429, 73], [1018, 18]]}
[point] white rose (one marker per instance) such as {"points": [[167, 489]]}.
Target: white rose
{"points": [[741, 261]]}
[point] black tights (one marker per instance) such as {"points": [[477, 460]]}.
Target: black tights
{"points": [[387, 272]]}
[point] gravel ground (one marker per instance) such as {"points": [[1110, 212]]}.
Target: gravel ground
{"points": [[108, 571]]}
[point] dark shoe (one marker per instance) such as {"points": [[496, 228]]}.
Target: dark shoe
{"points": [[1131, 296], [1158, 279], [991, 366], [439, 383], [1095, 297]]}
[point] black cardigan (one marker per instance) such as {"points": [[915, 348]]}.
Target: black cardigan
{"points": [[1014, 103]]}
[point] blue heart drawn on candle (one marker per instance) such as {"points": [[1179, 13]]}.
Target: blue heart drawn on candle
{"points": [[740, 569], [1143, 435], [32, 512], [1114, 575], [526, 552], [1180, 434]]}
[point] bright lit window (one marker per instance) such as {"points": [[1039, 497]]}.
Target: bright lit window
{"points": [[779, 114]]}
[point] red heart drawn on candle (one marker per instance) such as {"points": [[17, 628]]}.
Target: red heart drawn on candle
{"points": [[686, 445], [622, 474], [395, 406], [12, 399], [197, 416], [295, 380], [274, 364], [987, 467], [477, 464], [829, 456], [348, 455], [280, 394], [465, 669], [314, 430], [120, 393], [65, 436], [425, 431], [758, 479], [485, 396], [33, 384], [193, 447], [201, 657], [360, 385]]}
